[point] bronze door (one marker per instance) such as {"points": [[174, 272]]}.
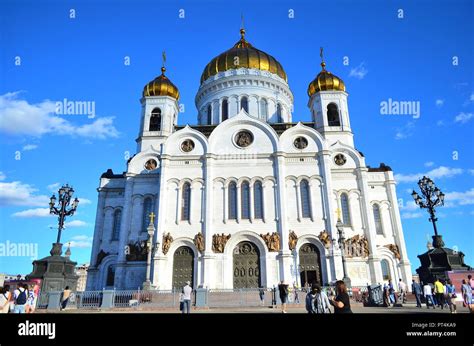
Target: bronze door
{"points": [[310, 265], [183, 267], [246, 265]]}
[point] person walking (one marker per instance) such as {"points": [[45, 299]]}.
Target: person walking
{"points": [[6, 297], [261, 294], [20, 297], [283, 289], [31, 301], [386, 296], [65, 298], [391, 292], [451, 296], [439, 292], [187, 292], [341, 302], [428, 296], [295, 290], [466, 291], [310, 296], [321, 301], [416, 289], [402, 288]]}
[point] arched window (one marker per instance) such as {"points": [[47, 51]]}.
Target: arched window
{"points": [[377, 219], [258, 200], [244, 103], [333, 115], [305, 201], [110, 280], [186, 202], [385, 269], [232, 201], [279, 115], [263, 109], [116, 227], [155, 120], [209, 115], [147, 208], [346, 216], [245, 200], [225, 110]]}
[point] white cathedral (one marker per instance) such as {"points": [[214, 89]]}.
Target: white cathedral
{"points": [[247, 198]]}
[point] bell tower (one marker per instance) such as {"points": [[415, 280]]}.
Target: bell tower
{"points": [[328, 106], [159, 110]]}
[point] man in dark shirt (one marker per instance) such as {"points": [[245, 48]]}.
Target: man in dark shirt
{"points": [[283, 288], [416, 289]]}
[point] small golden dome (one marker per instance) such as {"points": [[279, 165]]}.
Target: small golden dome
{"points": [[161, 86], [325, 80], [248, 57]]}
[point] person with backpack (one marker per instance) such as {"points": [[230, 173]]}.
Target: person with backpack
{"points": [[20, 298], [321, 301]]}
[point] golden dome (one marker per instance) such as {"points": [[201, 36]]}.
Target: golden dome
{"points": [[325, 80], [161, 86], [249, 57]]}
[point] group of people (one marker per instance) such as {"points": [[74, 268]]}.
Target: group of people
{"points": [[318, 302], [392, 296], [185, 298], [21, 301], [443, 294]]}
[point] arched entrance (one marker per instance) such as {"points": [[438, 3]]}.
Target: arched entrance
{"points": [[246, 265], [183, 267], [310, 264]]}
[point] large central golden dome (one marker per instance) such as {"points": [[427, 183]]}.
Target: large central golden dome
{"points": [[248, 57]]}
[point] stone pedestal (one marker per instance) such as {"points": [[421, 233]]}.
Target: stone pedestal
{"points": [[55, 271], [439, 260]]}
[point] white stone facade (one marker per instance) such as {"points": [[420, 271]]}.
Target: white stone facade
{"points": [[217, 162]]}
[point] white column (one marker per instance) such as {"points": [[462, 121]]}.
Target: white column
{"points": [[226, 202], [178, 204], [252, 205], [284, 256], [299, 211], [398, 230], [239, 209], [253, 106], [313, 185], [208, 257], [324, 159], [99, 226], [369, 229]]}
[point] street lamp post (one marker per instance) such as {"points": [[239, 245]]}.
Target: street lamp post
{"points": [[432, 197], [295, 266], [342, 246], [151, 231], [65, 194]]}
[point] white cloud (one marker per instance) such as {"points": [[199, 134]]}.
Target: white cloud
{"points": [[471, 171], [54, 187], [84, 201], [429, 164], [18, 117], [38, 212], [358, 72], [75, 223], [2, 176], [440, 123], [410, 206], [455, 198], [440, 172], [415, 215], [80, 241], [439, 103], [17, 193], [29, 147], [463, 117], [405, 131]]}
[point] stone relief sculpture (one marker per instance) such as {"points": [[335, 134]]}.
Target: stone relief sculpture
{"points": [[199, 242], [325, 239], [136, 251], [395, 250], [167, 240], [272, 241], [219, 241], [293, 239], [357, 246]]}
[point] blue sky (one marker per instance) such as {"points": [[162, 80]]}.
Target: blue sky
{"points": [[47, 56]]}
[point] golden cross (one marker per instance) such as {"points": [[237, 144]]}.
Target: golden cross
{"points": [[323, 64], [338, 212], [152, 217], [163, 56]]}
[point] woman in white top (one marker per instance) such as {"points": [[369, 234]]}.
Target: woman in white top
{"points": [[5, 297]]}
